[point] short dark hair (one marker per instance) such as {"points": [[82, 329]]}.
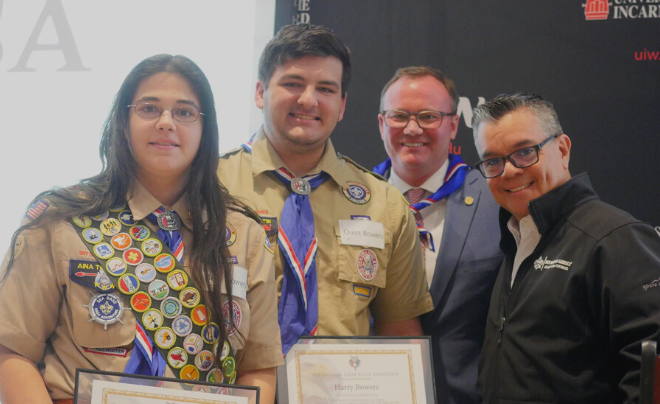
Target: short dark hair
{"points": [[421, 71], [503, 104], [300, 40]]}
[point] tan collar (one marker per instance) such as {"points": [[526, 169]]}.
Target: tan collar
{"points": [[265, 159], [141, 203]]}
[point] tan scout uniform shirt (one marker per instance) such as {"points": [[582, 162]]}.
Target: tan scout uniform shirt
{"points": [[398, 290], [43, 317]]}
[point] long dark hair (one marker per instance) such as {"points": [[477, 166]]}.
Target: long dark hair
{"points": [[210, 265]]}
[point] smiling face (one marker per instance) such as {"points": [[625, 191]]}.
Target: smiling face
{"points": [[417, 153], [302, 103], [514, 189], [164, 147]]}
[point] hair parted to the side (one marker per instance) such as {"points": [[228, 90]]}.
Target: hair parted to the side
{"points": [[421, 71], [299, 40], [209, 259], [498, 107]]}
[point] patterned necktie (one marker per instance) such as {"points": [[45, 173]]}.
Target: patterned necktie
{"points": [[145, 359], [298, 308], [414, 195]]}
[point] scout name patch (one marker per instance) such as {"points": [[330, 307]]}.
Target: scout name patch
{"points": [[269, 224], [122, 352], [363, 233], [90, 274]]}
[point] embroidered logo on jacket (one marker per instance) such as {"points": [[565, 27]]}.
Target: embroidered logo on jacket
{"points": [[544, 263]]}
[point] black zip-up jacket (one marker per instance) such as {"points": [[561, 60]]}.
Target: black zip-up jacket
{"points": [[570, 328]]}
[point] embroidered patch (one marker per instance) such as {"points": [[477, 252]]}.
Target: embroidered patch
{"points": [[367, 264], [37, 209], [230, 234], [121, 352], [361, 290], [91, 275], [269, 224], [356, 193], [19, 246], [360, 217]]}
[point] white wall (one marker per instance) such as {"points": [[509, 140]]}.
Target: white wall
{"points": [[51, 120]]}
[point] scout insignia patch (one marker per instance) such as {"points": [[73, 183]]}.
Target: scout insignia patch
{"points": [[367, 264], [230, 235], [356, 193], [105, 309]]}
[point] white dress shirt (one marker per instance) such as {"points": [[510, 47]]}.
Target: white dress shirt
{"points": [[433, 215], [527, 238]]}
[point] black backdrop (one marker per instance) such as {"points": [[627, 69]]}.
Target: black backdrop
{"points": [[602, 75]]}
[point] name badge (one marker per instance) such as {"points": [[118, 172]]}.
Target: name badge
{"points": [[362, 232], [238, 283]]}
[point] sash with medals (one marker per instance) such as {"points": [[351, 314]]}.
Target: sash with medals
{"points": [[165, 300]]}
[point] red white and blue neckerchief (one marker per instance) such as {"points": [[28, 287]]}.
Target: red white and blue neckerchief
{"points": [[145, 360], [298, 309], [453, 180], [172, 238]]}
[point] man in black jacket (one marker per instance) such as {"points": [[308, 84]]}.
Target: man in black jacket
{"points": [[578, 290]]}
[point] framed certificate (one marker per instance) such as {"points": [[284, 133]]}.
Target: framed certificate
{"points": [[357, 370], [98, 387]]}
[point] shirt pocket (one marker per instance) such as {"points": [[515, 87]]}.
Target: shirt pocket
{"points": [[92, 334], [363, 264]]}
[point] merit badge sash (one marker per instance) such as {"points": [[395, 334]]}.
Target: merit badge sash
{"points": [[164, 299]]}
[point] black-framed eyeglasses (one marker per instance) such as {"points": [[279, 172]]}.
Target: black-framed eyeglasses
{"points": [[521, 158], [188, 113], [397, 119]]}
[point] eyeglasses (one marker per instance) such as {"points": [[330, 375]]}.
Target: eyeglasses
{"points": [[425, 119], [521, 158], [181, 114]]}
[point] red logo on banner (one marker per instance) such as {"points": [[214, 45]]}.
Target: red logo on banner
{"points": [[596, 9]]}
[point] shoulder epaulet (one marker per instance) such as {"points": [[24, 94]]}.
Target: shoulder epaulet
{"points": [[359, 167], [231, 152]]}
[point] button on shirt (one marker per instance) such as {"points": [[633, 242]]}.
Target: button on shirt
{"points": [[433, 215]]}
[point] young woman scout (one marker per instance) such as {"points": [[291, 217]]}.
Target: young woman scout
{"points": [[149, 267]]}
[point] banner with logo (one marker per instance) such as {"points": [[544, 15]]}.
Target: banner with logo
{"points": [[598, 61]]}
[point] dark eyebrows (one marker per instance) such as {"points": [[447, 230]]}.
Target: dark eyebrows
{"points": [[298, 77], [155, 99], [517, 146]]}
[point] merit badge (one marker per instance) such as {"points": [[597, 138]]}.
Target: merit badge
{"points": [[177, 357], [139, 232], [37, 209], [103, 251], [182, 326], [237, 317], [356, 193], [145, 272], [367, 264], [105, 309], [215, 376], [171, 307], [126, 217], [300, 186], [82, 221], [110, 227], [225, 351], [210, 333], [152, 319], [115, 266], [101, 217], [165, 338], [232, 378], [140, 302], [169, 221], [204, 360], [118, 208], [198, 315], [151, 247], [158, 289], [92, 235], [189, 297], [230, 235], [269, 224], [128, 284], [193, 343], [121, 241], [164, 263], [189, 372], [177, 279], [228, 366], [133, 256]]}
